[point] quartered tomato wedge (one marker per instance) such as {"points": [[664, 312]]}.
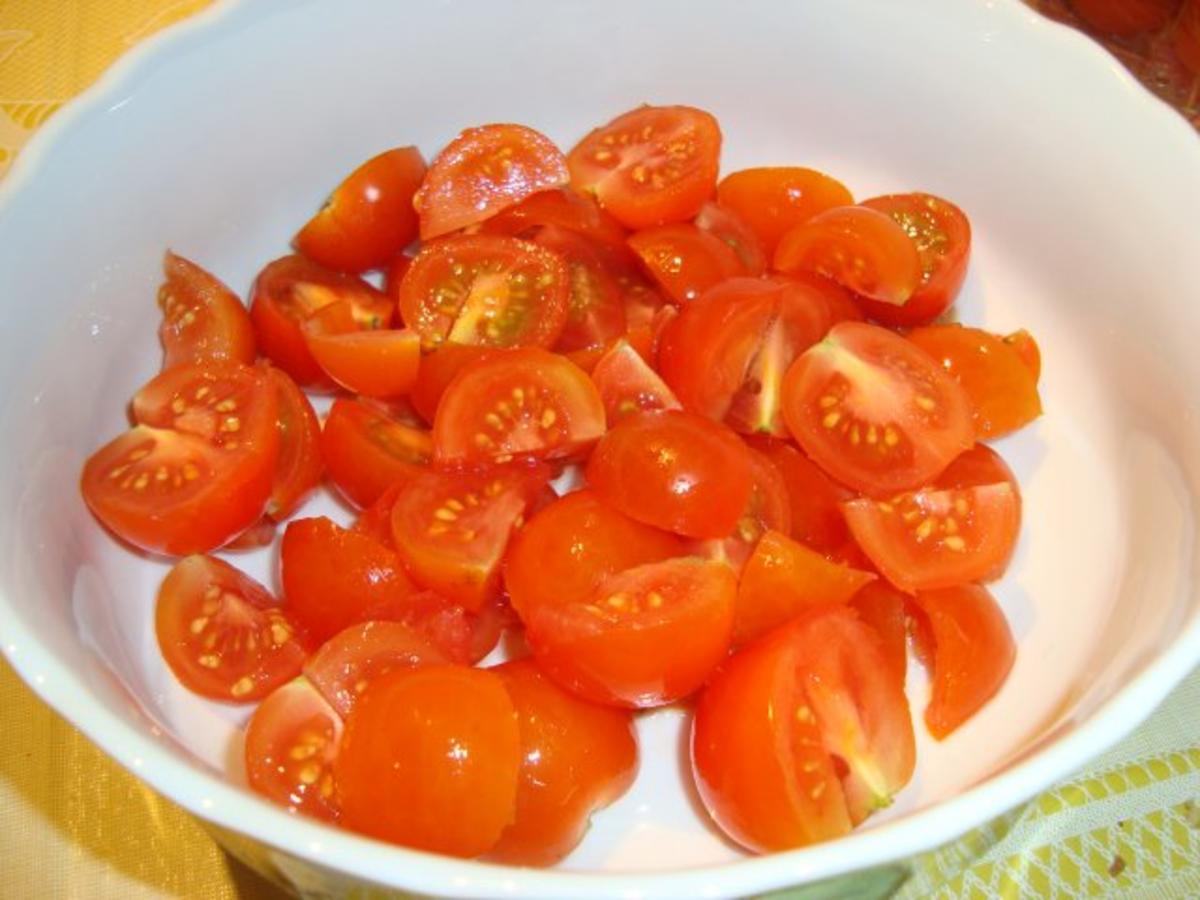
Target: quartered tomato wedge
{"points": [[369, 217], [595, 307], [728, 227], [483, 171], [203, 320], [366, 450], [222, 634], [300, 465], [875, 411], [291, 742], [942, 235], [684, 260], [860, 248], [938, 538], [486, 289], [773, 200], [515, 404], [628, 385], [374, 362], [646, 636], [814, 498], [566, 209], [651, 166]]}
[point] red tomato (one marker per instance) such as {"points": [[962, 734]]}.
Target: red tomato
{"points": [[942, 235], [646, 636], [260, 534], [375, 521], [976, 467], [483, 171], [430, 759], [451, 528], [486, 289], [772, 201], [1027, 348], [685, 261], [366, 451], [674, 470], [595, 307], [782, 578], [437, 370], [561, 208], [973, 654], [371, 362], [291, 742], [860, 248], [882, 607], [651, 166], [1186, 43], [576, 758], [369, 217], [1125, 17], [768, 509], [729, 227], [1001, 386], [300, 466], [203, 320], [814, 498], [334, 578], [628, 385], [291, 289], [462, 636], [222, 634], [517, 403], [394, 273], [875, 411], [938, 538], [351, 659]]}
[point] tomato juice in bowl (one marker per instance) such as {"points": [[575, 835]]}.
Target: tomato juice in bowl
{"points": [[1099, 594]]}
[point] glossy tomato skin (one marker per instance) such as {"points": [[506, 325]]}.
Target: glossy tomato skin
{"points": [[684, 260], [366, 450], [773, 200], [674, 470], [768, 509], [651, 166], [203, 320], [576, 757], [430, 759], [372, 362], [300, 467], [369, 217], [814, 498]]}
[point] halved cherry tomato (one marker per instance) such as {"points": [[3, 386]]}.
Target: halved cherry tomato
{"points": [[628, 385], [1001, 386], [768, 509], [729, 227], [773, 200], [366, 451], [300, 466], [942, 235], [1027, 348], [684, 260], [646, 636], [782, 578], [430, 759], [375, 362], [203, 320], [565, 208], [486, 289], [576, 758], [436, 371], [451, 528], [674, 470], [222, 634], [883, 607], [973, 653], [291, 742], [517, 403], [860, 248], [291, 289], [352, 658], [1125, 17], [334, 578], [814, 498], [595, 307], [938, 538], [651, 166], [483, 171], [875, 411], [369, 217]]}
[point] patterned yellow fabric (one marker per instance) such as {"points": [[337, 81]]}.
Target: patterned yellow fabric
{"points": [[75, 825]]}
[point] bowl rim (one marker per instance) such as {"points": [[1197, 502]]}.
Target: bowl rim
{"points": [[213, 798]]}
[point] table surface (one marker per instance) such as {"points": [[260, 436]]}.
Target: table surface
{"points": [[76, 825]]}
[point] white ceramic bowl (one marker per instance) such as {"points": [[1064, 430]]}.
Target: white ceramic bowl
{"points": [[221, 137]]}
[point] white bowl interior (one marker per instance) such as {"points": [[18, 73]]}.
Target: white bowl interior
{"points": [[1081, 196]]}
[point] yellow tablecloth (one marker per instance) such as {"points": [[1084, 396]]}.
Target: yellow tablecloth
{"points": [[75, 825]]}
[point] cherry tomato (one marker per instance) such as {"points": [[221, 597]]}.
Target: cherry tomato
{"points": [[394, 273], [1027, 348], [1001, 387], [875, 411], [942, 235], [436, 371], [576, 758], [860, 248], [768, 509], [938, 538], [375, 521], [782, 579], [973, 653], [628, 385], [646, 636], [814, 498], [976, 467], [486, 289], [773, 200], [366, 451], [483, 171], [674, 470], [1125, 17], [369, 217], [462, 636], [651, 166], [563, 208], [883, 608], [595, 307], [372, 362], [430, 759], [222, 634], [517, 403], [300, 467], [260, 534], [685, 261], [728, 227], [291, 742], [203, 320]]}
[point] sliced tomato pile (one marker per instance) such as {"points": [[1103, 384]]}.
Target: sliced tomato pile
{"points": [[771, 486]]}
